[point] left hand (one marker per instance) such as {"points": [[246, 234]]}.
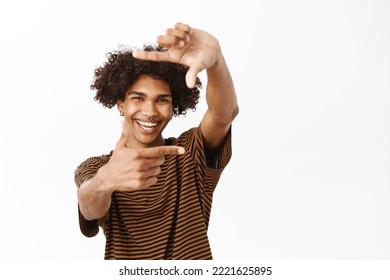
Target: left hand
{"points": [[192, 47]]}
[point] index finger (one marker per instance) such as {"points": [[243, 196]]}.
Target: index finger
{"points": [[151, 55], [162, 151]]}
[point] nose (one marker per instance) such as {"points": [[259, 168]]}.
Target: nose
{"points": [[149, 110]]}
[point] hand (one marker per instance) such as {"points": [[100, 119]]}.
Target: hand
{"points": [[192, 47], [130, 169]]}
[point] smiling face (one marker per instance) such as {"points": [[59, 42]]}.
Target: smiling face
{"points": [[147, 108]]}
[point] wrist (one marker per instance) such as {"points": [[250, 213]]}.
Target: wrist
{"points": [[218, 66], [102, 181], [218, 72]]}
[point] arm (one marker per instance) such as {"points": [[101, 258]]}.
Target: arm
{"points": [[94, 197], [222, 105], [201, 51]]}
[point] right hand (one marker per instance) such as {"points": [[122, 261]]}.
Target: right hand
{"points": [[188, 46], [134, 168]]}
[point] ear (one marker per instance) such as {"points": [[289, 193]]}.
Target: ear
{"points": [[119, 105], [171, 116]]}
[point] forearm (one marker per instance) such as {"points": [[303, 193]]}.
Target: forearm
{"points": [[222, 105], [220, 93], [94, 197]]}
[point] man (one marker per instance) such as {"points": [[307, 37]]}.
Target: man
{"points": [[152, 196]]}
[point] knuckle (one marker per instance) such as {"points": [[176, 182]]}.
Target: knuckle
{"points": [[169, 31], [157, 170], [136, 154], [140, 166], [137, 184], [152, 181], [139, 176], [161, 160]]}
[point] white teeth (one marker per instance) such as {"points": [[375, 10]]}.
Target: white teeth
{"points": [[147, 124]]}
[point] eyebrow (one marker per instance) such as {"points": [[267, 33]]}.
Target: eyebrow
{"points": [[143, 94]]}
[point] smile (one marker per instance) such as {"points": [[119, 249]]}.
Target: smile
{"points": [[147, 126]]}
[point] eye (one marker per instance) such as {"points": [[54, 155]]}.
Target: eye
{"points": [[137, 98], [164, 99]]}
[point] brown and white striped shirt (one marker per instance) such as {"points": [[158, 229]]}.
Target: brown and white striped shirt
{"points": [[168, 220]]}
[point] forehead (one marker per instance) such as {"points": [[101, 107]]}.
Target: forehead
{"points": [[148, 85]]}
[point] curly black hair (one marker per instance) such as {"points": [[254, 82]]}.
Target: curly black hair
{"points": [[112, 80]]}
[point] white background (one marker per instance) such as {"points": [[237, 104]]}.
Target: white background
{"points": [[309, 177]]}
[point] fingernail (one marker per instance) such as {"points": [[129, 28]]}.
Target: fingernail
{"points": [[181, 150], [181, 43]]}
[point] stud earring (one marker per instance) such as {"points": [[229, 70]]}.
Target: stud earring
{"points": [[122, 114]]}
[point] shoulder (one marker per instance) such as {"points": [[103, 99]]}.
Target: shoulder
{"points": [[95, 161], [89, 167]]}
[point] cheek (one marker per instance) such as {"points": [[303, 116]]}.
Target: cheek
{"points": [[168, 112], [130, 108]]}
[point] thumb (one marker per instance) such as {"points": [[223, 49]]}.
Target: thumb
{"points": [[122, 142], [191, 76]]}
